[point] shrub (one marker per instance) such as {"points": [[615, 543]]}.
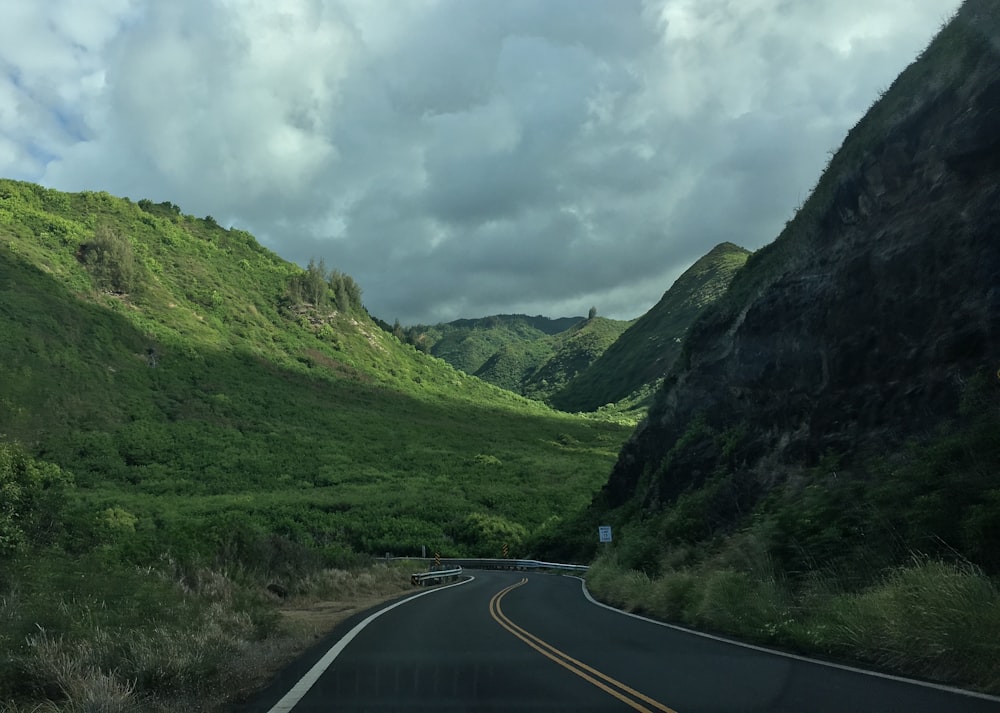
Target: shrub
{"points": [[111, 261]]}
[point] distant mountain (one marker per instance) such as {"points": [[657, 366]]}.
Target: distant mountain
{"points": [[644, 353], [532, 356]]}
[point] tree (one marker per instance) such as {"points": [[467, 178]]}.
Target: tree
{"points": [[592, 313], [316, 281], [310, 286], [346, 292], [111, 262], [316, 285], [32, 496]]}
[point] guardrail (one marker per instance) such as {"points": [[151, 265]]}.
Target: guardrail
{"points": [[483, 563], [437, 577]]}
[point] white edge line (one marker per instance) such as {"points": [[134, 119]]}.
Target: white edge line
{"points": [[296, 693], [776, 652]]}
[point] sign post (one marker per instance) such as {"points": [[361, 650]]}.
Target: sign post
{"points": [[604, 533]]}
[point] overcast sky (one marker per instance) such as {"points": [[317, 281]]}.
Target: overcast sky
{"points": [[458, 158]]}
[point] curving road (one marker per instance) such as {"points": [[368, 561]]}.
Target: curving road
{"points": [[507, 641]]}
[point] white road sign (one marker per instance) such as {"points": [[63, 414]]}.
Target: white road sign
{"points": [[604, 532]]}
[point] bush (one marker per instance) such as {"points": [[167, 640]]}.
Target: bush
{"points": [[674, 596], [111, 261], [32, 500]]}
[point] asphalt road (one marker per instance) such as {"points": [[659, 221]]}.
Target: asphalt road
{"points": [[507, 641]]}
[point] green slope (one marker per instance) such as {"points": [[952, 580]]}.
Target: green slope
{"points": [[644, 353], [212, 402], [572, 352], [532, 356], [468, 344]]}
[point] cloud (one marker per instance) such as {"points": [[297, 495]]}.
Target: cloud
{"points": [[458, 158]]}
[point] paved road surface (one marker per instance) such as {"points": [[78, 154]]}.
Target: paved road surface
{"points": [[507, 641]]}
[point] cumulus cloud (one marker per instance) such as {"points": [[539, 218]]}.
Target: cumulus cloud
{"points": [[458, 158]]}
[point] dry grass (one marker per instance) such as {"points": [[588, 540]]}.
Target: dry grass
{"points": [[238, 637]]}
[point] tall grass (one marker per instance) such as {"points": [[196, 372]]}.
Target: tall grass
{"points": [[929, 619], [155, 639], [932, 619]]}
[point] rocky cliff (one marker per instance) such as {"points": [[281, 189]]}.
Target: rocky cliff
{"points": [[855, 330]]}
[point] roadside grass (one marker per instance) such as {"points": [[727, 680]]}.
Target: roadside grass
{"points": [[168, 638], [928, 619]]}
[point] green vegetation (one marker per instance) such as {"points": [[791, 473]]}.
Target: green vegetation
{"points": [[889, 561], [231, 386], [928, 619], [627, 372], [175, 399], [531, 356], [576, 349], [85, 633]]}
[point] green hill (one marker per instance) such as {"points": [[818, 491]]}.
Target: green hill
{"points": [[630, 368], [532, 356], [572, 352], [188, 376], [468, 344]]}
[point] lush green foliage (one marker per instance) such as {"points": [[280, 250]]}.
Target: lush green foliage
{"points": [[322, 288], [186, 418], [938, 497], [110, 259], [888, 559], [573, 352], [32, 496], [532, 356], [212, 408]]}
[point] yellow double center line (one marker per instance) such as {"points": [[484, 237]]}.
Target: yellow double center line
{"points": [[607, 684]]}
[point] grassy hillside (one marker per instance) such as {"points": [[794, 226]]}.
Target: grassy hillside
{"points": [[532, 356], [204, 396], [630, 368], [175, 396], [572, 352], [468, 344]]}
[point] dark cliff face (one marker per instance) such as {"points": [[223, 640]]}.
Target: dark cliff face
{"points": [[857, 327]]}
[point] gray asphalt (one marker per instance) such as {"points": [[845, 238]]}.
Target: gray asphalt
{"points": [[447, 652]]}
